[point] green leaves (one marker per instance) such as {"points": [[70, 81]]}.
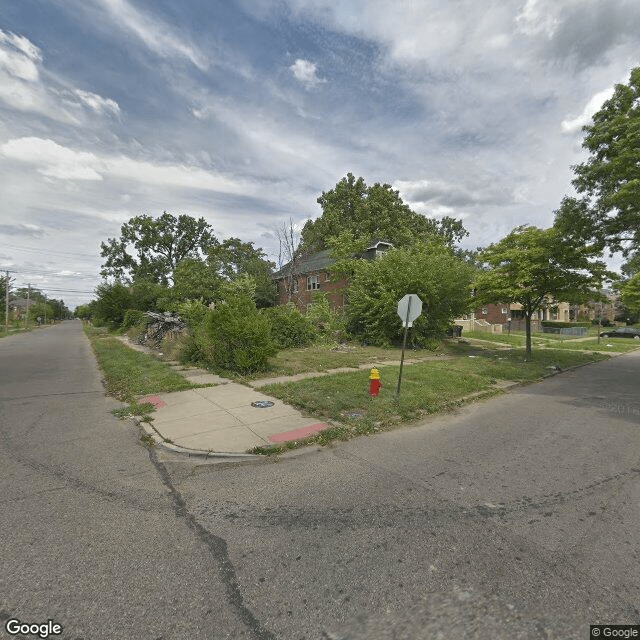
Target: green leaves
{"points": [[354, 214], [609, 181], [430, 270], [534, 267], [159, 245], [630, 294]]}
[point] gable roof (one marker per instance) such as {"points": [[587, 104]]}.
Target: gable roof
{"points": [[319, 260], [310, 262]]}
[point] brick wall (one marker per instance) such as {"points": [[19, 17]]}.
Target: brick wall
{"points": [[302, 298]]}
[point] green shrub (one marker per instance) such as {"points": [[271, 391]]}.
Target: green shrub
{"points": [[564, 325], [239, 337], [289, 328], [327, 322], [133, 318], [193, 312]]}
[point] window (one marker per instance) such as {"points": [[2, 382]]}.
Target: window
{"points": [[485, 312], [327, 277], [292, 286], [313, 282], [505, 311]]}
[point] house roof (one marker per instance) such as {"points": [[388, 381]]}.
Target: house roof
{"points": [[22, 303], [377, 242], [306, 264], [320, 260]]}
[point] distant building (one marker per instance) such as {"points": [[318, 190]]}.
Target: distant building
{"points": [[19, 306]]}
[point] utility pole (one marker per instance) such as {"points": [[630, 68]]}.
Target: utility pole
{"points": [[26, 322], [6, 302]]}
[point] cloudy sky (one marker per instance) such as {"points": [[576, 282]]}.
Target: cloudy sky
{"points": [[244, 111]]}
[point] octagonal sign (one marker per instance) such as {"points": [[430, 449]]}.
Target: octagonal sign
{"points": [[409, 308]]}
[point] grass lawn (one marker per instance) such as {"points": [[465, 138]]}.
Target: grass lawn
{"points": [[129, 373], [621, 345], [427, 387], [556, 341], [289, 362]]}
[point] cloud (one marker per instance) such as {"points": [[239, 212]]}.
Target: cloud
{"points": [[155, 34], [28, 230], [56, 161], [446, 197], [534, 19], [97, 103], [51, 159], [24, 88], [19, 57], [594, 105], [306, 72]]}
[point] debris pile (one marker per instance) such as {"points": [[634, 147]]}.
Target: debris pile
{"points": [[161, 325]]}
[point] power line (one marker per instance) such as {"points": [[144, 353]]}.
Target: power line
{"points": [[52, 251]]}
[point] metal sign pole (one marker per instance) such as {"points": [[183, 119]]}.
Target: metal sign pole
{"points": [[404, 344]]}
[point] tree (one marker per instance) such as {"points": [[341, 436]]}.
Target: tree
{"points": [[608, 210], [194, 280], [111, 303], [289, 255], [429, 269], [533, 267], [159, 245], [630, 295], [353, 214], [233, 258]]}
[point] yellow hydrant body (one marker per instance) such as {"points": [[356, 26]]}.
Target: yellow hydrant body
{"points": [[375, 374]]}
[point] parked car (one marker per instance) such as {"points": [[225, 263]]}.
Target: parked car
{"points": [[621, 332]]}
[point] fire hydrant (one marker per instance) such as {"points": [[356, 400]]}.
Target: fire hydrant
{"points": [[375, 382]]}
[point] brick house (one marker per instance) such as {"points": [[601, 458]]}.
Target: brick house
{"points": [[298, 280]]}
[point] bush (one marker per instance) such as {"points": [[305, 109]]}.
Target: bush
{"points": [[239, 337], [133, 318], [564, 325], [327, 322], [431, 271], [193, 312], [289, 328]]}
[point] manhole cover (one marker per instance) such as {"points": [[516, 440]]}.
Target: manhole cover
{"points": [[262, 404]]}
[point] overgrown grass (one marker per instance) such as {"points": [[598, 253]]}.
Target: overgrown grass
{"points": [[129, 373], [427, 387], [322, 357]]}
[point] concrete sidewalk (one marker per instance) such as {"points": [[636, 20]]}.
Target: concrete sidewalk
{"points": [[226, 419]]}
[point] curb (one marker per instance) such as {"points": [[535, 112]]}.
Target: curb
{"points": [[186, 451]]}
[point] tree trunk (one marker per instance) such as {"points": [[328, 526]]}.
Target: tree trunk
{"points": [[527, 325]]}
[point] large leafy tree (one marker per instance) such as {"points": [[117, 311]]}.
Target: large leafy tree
{"points": [[430, 270], [353, 214], [233, 258], [534, 267], [630, 295], [151, 248], [608, 183]]}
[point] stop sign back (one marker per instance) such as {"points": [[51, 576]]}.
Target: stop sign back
{"points": [[411, 305]]}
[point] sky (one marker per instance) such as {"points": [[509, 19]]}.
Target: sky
{"points": [[244, 111]]}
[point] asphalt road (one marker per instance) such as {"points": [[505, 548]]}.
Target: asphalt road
{"points": [[513, 518]]}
